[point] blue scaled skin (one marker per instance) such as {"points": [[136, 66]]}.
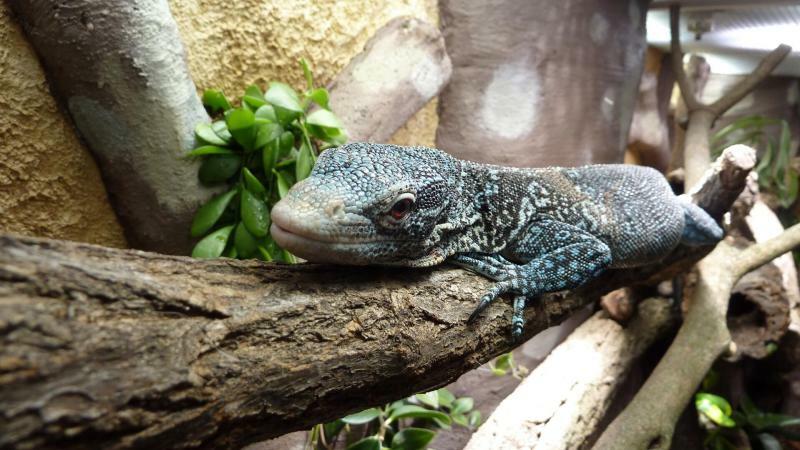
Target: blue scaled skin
{"points": [[532, 230]]}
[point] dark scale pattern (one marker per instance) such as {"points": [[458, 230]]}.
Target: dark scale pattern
{"points": [[532, 230]]}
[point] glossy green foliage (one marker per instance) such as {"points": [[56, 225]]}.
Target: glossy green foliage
{"points": [[776, 172], [725, 424], [408, 424], [256, 152]]}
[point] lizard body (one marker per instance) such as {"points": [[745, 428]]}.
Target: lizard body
{"points": [[532, 230]]}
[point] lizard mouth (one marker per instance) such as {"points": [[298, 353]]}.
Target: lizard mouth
{"points": [[305, 235], [344, 250]]}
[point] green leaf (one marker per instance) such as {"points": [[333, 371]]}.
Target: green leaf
{"points": [[460, 419], [231, 253], [789, 195], [212, 245], [253, 97], [244, 242], [331, 429], [320, 97], [287, 144], [252, 183], [288, 257], [307, 74], [504, 362], [305, 162], [266, 112], [417, 412], [283, 183], [269, 157], [208, 214], [429, 398], [255, 214], [285, 101], [716, 408], [264, 255], [446, 398], [205, 133], [412, 439], [370, 443], [241, 123], [221, 128], [266, 133], [474, 419], [210, 150], [368, 415], [769, 442], [214, 100], [335, 136], [462, 405], [325, 119], [218, 168]]}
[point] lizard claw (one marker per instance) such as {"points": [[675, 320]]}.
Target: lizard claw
{"points": [[485, 301], [488, 298]]}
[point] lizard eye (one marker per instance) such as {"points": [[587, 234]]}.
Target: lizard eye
{"points": [[402, 206]]}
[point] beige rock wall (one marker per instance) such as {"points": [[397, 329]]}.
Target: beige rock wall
{"points": [[49, 184], [233, 43]]}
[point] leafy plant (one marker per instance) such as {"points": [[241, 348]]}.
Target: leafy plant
{"points": [[776, 172], [408, 424], [505, 364], [258, 150], [761, 428]]}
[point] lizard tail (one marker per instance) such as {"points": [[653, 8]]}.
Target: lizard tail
{"points": [[699, 228]]}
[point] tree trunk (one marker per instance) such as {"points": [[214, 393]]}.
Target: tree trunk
{"points": [[109, 348], [527, 73], [119, 69]]}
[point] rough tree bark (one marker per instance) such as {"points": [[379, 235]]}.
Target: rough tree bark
{"points": [[120, 71], [403, 66], [124, 349]]}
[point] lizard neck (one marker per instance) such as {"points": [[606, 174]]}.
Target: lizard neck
{"points": [[486, 214]]}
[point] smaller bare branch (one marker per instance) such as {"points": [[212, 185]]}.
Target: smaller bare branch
{"points": [[722, 183], [760, 254], [748, 83], [677, 59]]}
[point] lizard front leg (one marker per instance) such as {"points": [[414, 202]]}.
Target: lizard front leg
{"points": [[560, 256]]}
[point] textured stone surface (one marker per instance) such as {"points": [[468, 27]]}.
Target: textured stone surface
{"points": [[229, 53], [49, 184], [539, 83]]}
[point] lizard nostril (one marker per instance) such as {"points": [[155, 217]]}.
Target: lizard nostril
{"points": [[335, 208]]}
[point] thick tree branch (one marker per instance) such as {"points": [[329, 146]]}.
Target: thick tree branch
{"points": [[126, 349]]}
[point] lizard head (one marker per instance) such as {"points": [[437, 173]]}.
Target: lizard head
{"points": [[368, 204]]}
